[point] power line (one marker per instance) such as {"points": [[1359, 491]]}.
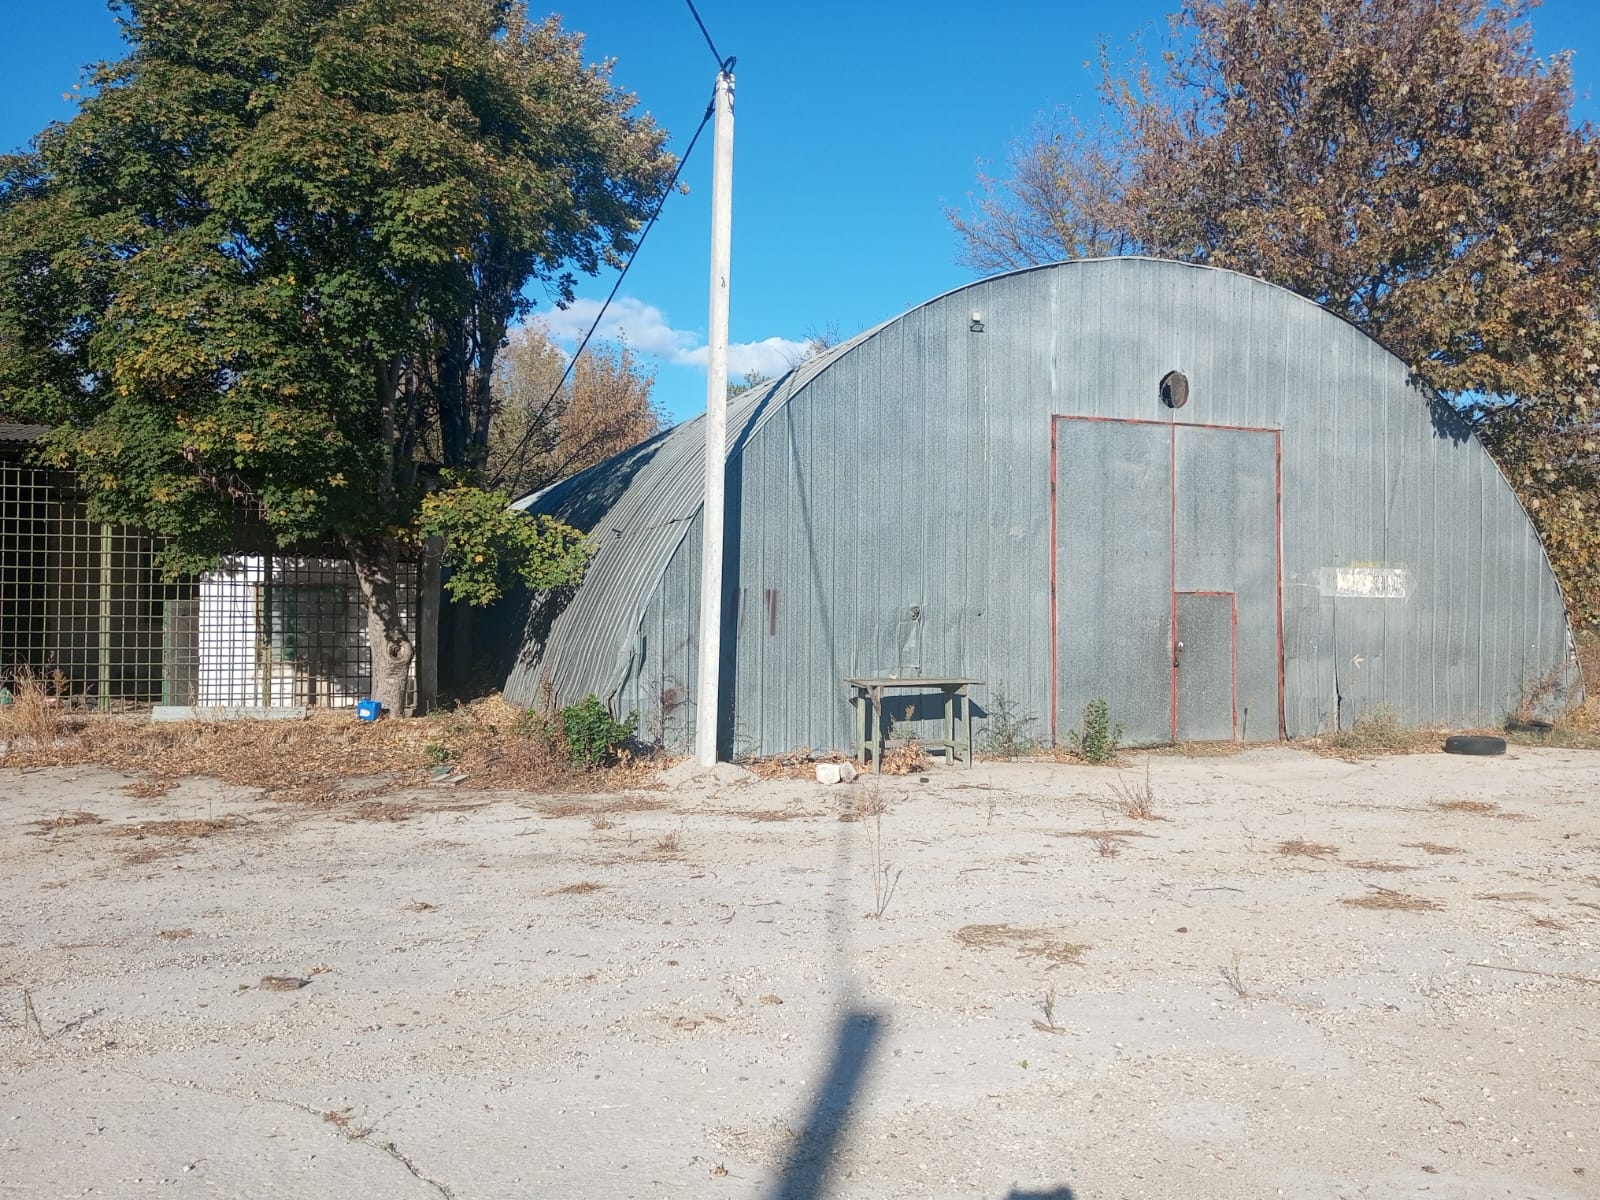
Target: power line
{"points": [[522, 444], [721, 62]]}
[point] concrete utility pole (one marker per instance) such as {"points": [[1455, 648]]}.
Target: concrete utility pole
{"points": [[707, 700]]}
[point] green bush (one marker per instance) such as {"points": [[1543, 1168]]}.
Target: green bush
{"points": [[1099, 738], [592, 734]]}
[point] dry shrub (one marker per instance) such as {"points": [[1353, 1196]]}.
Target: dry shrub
{"points": [[1433, 848], [1035, 943], [282, 983], [1097, 834], [668, 845], [1377, 731], [1135, 800], [1107, 846], [909, 759], [577, 889], [1385, 898], [31, 708], [1300, 848], [175, 935]]}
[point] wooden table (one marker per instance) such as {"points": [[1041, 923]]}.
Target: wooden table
{"points": [[867, 700]]}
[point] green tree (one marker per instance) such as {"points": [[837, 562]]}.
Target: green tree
{"points": [[1409, 164], [277, 250]]}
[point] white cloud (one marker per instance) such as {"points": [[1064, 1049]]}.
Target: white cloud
{"points": [[647, 330]]}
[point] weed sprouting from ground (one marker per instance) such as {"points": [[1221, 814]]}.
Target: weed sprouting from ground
{"points": [[1007, 731], [1233, 976], [1135, 799], [884, 878], [1048, 1006], [1098, 740], [1107, 845]]}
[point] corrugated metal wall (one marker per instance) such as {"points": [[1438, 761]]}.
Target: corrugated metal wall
{"points": [[894, 516]]}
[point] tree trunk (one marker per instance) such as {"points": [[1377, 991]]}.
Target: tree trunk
{"points": [[377, 567]]}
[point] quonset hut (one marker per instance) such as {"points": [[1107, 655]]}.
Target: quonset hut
{"points": [[1196, 495]]}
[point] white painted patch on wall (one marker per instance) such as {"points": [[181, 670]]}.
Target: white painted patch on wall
{"points": [[1366, 582]]}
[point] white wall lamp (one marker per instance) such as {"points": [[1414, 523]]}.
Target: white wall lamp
{"points": [[976, 325]]}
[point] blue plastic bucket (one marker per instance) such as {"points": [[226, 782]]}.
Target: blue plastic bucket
{"points": [[368, 710]]}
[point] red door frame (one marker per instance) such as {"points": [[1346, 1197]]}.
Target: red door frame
{"points": [[1277, 550]]}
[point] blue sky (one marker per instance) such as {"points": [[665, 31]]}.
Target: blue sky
{"points": [[857, 125]]}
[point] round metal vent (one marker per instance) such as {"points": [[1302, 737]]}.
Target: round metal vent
{"points": [[1174, 389]]}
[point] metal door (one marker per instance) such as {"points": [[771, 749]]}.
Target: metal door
{"points": [[1166, 533], [1204, 668], [1113, 575]]}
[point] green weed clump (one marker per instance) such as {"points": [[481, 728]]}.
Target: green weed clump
{"points": [[593, 736], [1098, 740]]}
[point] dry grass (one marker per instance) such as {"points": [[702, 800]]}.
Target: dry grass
{"points": [[1198, 749], [31, 707], [282, 983], [1032, 943], [147, 789], [493, 744], [1135, 799], [668, 845], [1378, 865], [776, 814], [797, 764], [1477, 808], [600, 806], [1433, 848], [1376, 732], [192, 828], [67, 821], [1097, 834], [584, 888], [1107, 846], [1386, 898], [175, 935], [1300, 848]]}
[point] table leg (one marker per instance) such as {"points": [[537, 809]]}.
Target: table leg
{"points": [[949, 727], [877, 731], [966, 716]]}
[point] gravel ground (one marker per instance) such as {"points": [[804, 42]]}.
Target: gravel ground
{"points": [[1302, 977]]}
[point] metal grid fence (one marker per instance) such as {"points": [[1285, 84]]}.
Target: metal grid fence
{"points": [[85, 611]]}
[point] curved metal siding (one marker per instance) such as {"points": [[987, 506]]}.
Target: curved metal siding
{"points": [[910, 470]]}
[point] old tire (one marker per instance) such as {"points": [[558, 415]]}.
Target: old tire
{"points": [[1470, 743]]}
